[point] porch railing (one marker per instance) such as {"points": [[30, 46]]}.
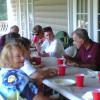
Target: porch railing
{"points": [[3, 27]]}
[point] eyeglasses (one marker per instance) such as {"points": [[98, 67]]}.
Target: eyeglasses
{"points": [[34, 33]]}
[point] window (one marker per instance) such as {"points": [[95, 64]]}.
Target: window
{"points": [[82, 14], [3, 10], [26, 8]]}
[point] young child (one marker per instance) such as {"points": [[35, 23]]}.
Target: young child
{"points": [[14, 83]]}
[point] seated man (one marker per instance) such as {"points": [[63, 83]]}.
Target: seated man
{"points": [[14, 29], [88, 54], [51, 46], [14, 33]]}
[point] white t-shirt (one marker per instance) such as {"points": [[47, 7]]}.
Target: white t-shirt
{"points": [[55, 48], [28, 68]]}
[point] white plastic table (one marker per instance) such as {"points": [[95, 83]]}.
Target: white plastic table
{"points": [[72, 92]]}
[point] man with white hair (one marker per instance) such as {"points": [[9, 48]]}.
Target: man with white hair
{"points": [[88, 54]]}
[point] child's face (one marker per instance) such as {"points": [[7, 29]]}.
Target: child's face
{"points": [[18, 58]]}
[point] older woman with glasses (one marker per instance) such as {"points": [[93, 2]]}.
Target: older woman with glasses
{"points": [[38, 36]]}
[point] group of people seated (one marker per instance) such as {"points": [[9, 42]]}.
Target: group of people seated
{"points": [[15, 78], [51, 46], [83, 53]]}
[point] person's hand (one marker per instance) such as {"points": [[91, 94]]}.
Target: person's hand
{"points": [[35, 39], [52, 72], [71, 63]]}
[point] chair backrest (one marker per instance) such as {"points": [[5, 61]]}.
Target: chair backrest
{"points": [[63, 36]]}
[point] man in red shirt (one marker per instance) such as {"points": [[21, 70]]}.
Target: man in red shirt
{"points": [[88, 54]]}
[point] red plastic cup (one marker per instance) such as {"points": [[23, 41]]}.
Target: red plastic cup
{"points": [[96, 94], [79, 80], [37, 60], [35, 39], [61, 70], [99, 76], [60, 61]]}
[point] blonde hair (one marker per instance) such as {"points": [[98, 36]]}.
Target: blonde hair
{"points": [[6, 57]]}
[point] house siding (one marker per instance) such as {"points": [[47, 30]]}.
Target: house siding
{"points": [[51, 13]]}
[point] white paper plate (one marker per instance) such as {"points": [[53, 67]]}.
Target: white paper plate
{"points": [[88, 96], [91, 74], [64, 82]]}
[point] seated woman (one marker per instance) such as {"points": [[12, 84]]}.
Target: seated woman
{"points": [[14, 83], [38, 36], [51, 46]]}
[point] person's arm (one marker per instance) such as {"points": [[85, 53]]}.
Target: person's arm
{"points": [[70, 59], [90, 66], [43, 54], [77, 63], [41, 74]]}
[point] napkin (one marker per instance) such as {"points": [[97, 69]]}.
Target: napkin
{"points": [[88, 96]]}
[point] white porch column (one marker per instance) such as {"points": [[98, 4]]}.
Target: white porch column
{"points": [[12, 12]]}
